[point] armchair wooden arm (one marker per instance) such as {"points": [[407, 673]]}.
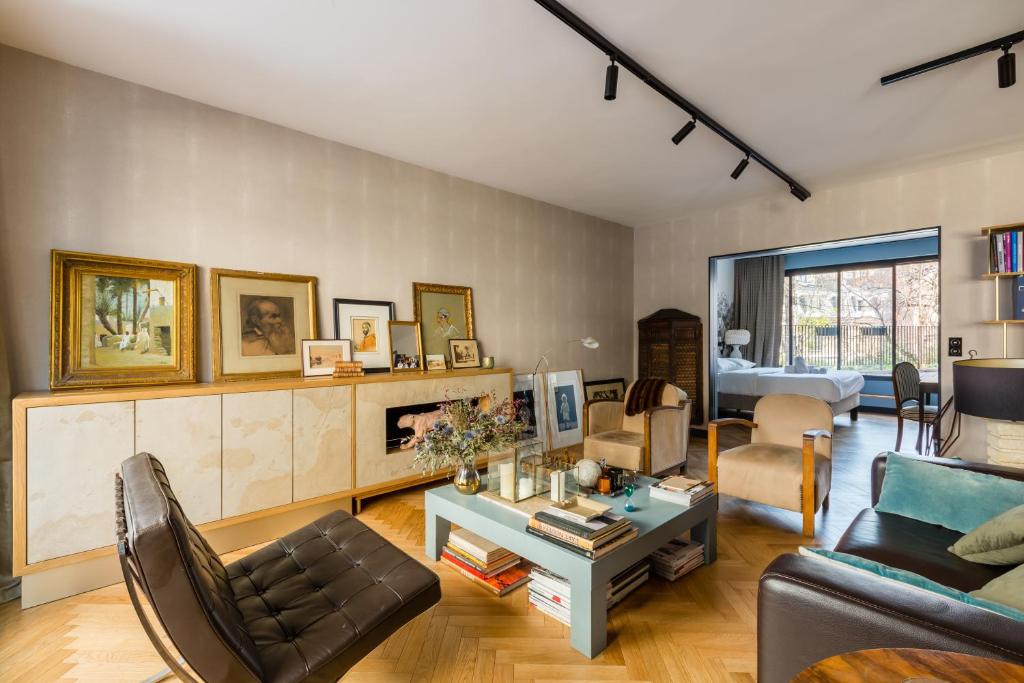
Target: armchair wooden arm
{"points": [[713, 426], [807, 490]]}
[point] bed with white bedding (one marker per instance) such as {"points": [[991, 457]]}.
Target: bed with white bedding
{"points": [[740, 387]]}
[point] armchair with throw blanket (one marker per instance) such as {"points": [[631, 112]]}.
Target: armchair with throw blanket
{"points": [[648, 431]]}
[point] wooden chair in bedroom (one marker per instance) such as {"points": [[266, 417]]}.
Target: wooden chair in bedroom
{"points": [[788, 462], [906, 388]]}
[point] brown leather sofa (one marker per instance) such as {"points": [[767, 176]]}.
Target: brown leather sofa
{"points": [[809, 610], [306, 607]]}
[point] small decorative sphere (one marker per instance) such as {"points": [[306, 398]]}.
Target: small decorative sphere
{"points": [[588, 473]]}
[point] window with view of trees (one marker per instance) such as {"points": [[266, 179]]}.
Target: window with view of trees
{"points": [[863, 317]]}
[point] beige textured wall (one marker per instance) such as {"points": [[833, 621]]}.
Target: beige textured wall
{"points": [[92, 163], [961, 197]]}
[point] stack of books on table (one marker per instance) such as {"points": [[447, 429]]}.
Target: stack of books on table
{"points": [[586, 533], [549, 592], [682, 490], [348, 368], [482, 562], [676, 558]]}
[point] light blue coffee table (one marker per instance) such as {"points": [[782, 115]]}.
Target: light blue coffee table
{"points": [[657, 521]]}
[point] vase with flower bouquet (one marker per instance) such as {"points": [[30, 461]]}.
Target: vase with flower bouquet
{"points": [[468, 428]]}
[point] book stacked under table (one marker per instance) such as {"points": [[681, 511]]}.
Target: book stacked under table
{"points": [[587, 529], [677, 557], [549, 592], [682, 490], [482, 562]]}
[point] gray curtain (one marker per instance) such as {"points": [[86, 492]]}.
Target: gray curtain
{"points": [[759, 290], [10, 587]]}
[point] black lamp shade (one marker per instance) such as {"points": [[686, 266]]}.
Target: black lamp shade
{"points": [[611, 81], [1007, 68], [990, 387]]}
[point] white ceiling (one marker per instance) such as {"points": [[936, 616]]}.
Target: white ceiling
{"points": [[500, 92]]}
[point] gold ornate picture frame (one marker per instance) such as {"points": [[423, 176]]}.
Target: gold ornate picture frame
{"points": [[444, 312], [406, 346], [259, 321], [118, 321]]}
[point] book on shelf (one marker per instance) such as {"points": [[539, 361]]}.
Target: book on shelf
{"points": [[500, 584], [615, 543], [476, 546], [1018, 297], [549, 592], [1006, 251], [573, 538], [677, 557], [682, 490], [486, 569], [593, 529]]}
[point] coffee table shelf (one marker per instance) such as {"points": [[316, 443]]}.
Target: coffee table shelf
{"points": [[657, 522]]}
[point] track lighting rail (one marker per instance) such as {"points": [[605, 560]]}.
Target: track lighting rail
{"points": [[1003, 43], [593, 36]]}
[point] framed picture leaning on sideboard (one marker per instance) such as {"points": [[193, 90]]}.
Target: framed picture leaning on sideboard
{"points": [[365, 322]]}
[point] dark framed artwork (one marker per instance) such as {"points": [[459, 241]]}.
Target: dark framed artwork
{"points": [[365, 322], [614, 389]]}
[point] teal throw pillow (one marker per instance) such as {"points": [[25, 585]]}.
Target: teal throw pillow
{"points": [[917, 581], [953, 498]]}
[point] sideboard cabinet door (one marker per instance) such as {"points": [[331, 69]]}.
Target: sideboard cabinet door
{"points": [[322, 441], [257, 451], [184, 434], [73, 453]]}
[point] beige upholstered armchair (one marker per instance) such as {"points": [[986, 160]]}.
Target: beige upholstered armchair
{"points": [[651, 441], [788, 462]]}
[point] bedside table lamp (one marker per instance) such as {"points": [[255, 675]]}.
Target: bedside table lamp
{"points": [[993, 389], [736, 339]]}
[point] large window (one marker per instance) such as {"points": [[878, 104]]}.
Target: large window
{"points": [[864, 317]]}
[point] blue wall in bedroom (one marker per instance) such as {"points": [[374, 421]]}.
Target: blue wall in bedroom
{"points": [[884, 251]]}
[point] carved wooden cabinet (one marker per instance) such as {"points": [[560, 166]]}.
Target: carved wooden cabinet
{"points": [[671, 348]]}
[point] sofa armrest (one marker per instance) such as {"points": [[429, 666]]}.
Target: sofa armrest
{"points": [[809, 610], [666, 436], [878, 470], [602, 415]]}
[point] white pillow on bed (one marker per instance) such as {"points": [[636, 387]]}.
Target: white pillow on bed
{"points": [[730, 364]]}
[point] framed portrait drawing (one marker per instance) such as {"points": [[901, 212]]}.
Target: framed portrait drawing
{"points": [[444, 312], [118, 321], [406, 351], [259, 322], [528, 393], [366, 324], [465, 353], [614, 389], [565, 407], [435, 361], [320, 355]]}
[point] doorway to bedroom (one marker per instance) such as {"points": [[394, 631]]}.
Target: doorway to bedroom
{"points": [[828, 320]]}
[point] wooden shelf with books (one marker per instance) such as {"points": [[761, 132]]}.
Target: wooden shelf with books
{"points": [[1006, 262]]}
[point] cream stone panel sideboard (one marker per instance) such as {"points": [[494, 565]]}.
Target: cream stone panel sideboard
{"points": [[237, 453], [184, 434]]}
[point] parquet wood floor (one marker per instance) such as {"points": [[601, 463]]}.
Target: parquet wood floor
{"points": [[700, 628]]}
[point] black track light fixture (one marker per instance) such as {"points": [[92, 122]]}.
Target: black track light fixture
{"points": [[799, 192], [740, 167], [611, 81], [684, 131], [1007, 67]]}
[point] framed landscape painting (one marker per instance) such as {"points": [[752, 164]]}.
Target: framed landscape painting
{"points": [[444, 312], [259, 322], [120, 321], [365, 322], [320, 355]]}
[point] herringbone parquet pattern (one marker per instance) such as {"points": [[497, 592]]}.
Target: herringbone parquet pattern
{"points": [[701, 628]]}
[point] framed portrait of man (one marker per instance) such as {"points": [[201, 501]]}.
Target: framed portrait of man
{"points": [[444, 312], [120, 321], [259, 322], [365, 322]]}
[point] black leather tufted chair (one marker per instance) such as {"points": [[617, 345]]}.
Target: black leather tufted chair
{"points": [[305, 608]]}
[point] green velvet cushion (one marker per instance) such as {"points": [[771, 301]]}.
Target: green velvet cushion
{"points": [[1000, 540], [953, 498], [1007, 589], [991, 604]]}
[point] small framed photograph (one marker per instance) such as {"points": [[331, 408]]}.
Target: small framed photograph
{"points": [[435, 361], [406, 351], [365, 323], [613, 389], [319, 355], [465, 353], [565, 401]]}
